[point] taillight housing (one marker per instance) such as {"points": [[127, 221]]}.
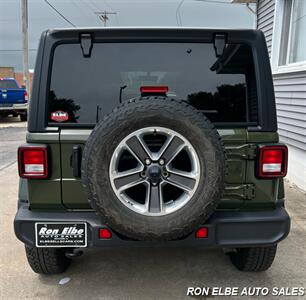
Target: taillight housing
{"points": [[26, 96], [272, 161], [33, 162]]}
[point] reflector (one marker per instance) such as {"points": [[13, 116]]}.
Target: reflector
{"points": [[105, 234], [202, 233]]}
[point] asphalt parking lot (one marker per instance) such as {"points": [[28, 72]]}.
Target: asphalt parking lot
{"points": [[135, 273]]}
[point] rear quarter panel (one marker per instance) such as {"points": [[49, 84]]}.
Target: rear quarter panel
{"points": [[46, 193]]}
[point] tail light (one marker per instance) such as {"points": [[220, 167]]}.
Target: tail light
{"points": [[154, 89], [273, 161], [202, 233], [33, 162], [26, 96], [105, 234]]}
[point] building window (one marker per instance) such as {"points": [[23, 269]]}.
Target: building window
{"points": [[293, 35]]}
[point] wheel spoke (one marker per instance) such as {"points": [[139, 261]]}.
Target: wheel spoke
{"points": [[154, 199], [126, 181], [174, 147], [137, 148], [183, 180], [155, 186], [172, 170]]}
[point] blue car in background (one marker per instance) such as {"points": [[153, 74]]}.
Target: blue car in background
{"points": [[13, 99]]}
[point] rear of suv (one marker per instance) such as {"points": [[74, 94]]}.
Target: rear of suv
{"points": [[152, 137]]}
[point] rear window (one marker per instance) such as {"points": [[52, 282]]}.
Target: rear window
{"points": [[6, 84], [85, 89]]}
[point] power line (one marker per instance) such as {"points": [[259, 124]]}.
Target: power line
{"points": [[60, 14]]}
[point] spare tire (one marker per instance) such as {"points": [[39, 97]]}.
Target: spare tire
{"points": [[154, 168]]}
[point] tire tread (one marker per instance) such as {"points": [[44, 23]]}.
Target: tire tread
{"points": [[156, 103], [46, 260], [256, 259]]}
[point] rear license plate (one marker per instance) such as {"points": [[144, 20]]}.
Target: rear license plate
{"points": [[61, 234]]}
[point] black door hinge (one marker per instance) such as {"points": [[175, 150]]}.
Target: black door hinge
{"points": [[251, 151], [86, 41], [246, 151], [220, 41], [243, 191]]}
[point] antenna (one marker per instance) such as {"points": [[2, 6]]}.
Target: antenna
{"points": [[103, 15]]}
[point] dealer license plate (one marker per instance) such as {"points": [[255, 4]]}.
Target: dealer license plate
{"points": [[61, 234]]}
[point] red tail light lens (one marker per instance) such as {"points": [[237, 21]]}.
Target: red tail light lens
{"points": [[202, 233], [26, 96], [33, 161], [105, 234], [154, 89], [272, 161]]}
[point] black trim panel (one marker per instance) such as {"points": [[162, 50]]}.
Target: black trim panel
{"points": [[225, 228]]}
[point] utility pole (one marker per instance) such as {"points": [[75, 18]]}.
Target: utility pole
{"points": [[25, 45], [103, 15]]}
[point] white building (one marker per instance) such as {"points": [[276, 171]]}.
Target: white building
{"points": [[284, 25]]}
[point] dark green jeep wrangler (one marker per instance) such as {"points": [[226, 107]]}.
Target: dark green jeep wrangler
{"points": [[152, 137]]}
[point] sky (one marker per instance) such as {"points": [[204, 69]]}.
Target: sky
{"points": [[189, 13]]}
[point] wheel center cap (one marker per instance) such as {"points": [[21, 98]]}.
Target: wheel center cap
{"points": [[154, 173]]}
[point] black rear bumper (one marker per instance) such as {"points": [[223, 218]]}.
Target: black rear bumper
{"points": [[225, 228]]}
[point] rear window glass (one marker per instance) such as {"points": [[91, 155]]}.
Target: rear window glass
{"points": [[8, 84], [85, 89]]}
